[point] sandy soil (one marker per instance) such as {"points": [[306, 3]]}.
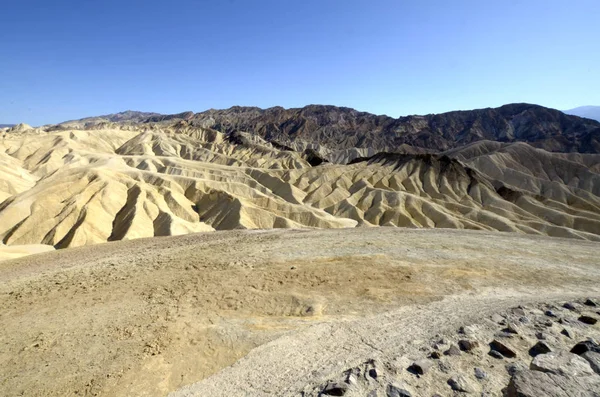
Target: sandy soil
{"points": [[150, 316]]}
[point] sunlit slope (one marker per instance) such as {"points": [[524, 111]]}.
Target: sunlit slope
{"points": [[67, 188]]}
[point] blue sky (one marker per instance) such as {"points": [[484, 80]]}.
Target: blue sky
{"points": [[62, 60]]}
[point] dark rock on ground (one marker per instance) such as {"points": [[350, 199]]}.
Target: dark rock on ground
{"points": [[496, 354], [588, 320], [452, 351], [461, 383], [421, 367], [435, 355], [480, 374], [335, 389], [570, 306], [503, 348], [568, 333], [593, 359], [590, 302], [539, 348], [397, 391], [585, 346], [467, 345]]}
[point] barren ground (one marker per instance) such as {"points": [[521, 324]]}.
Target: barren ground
{"points": [[148, 317]]}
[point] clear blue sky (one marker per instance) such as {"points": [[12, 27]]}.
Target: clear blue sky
{"points": [[62, 60]]}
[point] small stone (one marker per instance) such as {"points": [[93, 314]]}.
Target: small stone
{"points": [[590, 302], [593, 359], [566, 332], [435, 355], [548, 323], [335, 389], [585, 346], [460, 383], [396, 391], [540, 335], [351, 380], [468, 330], [373, 373], [467, 345], [503, 349], [513, 368], [444, 367], [452, 351], [550, 313], [496, 354], [480, 374], [421, 366], [524, 320], [511, 328], [539, 348], [561, 363], [569, 306], [588, 320], [293, 268]]}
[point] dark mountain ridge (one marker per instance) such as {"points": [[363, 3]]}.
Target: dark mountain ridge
{"points": [[345, 128]]}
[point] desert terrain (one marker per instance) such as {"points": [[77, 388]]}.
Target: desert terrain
{"points": [[150, 316], [292, 252]]}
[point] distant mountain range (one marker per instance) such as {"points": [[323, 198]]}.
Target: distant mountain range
{"points": [[590, 112], [345, 128], [6, 125]]}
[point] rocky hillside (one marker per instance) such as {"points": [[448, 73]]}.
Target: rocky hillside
{"points": [[344, 128]]}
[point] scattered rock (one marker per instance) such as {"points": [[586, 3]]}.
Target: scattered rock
{"points": [[467, 345], [570, 306], [503, 349], [496, 354], [468, 330], [588, 320], [524, 320], [480, 374], [590, 302], [561, 363], [550, 313], [513, 368], [593, 359], [585, 346], [547, 323], [541, 336], [539, 348], [568, 333], [539, 384], [396, 391], [421, 366], [435, 355], [373, 373], [351, 379], [335, 389], [452, 351], [460, 383], [511, 328]]}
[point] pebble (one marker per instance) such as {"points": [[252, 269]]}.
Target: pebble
{"points": [[588, 320], [467, 345], [503, 349], [590, 302], [421, 366], [452, 351], [539, 348], [460, 383], [480, 374]]}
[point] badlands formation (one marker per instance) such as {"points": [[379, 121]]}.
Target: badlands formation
{"points": [[434, 223]]}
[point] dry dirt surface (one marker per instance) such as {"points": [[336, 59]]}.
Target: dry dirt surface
{"points": [[255, 313]]}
